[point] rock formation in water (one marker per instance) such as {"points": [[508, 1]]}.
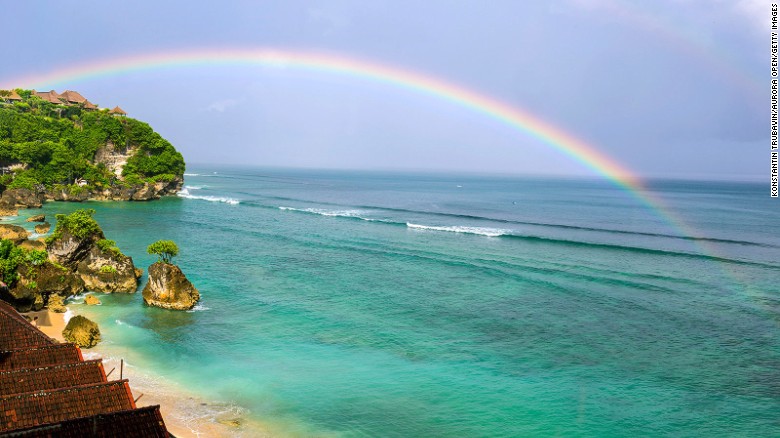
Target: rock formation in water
{"points": [[82, 332], [169, 288], [37, 218]]}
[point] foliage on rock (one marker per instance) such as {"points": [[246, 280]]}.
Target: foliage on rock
{"points": [[80, 224], [165, 250]]}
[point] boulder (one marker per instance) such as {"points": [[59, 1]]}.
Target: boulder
{"points": [[14, 233], [21, 198], [7, 210], [107, 271], [91, 300], [169, 288], [37, 218], [57, 303], [43, 228], [139, 272], [33, 244], [82, 332]]}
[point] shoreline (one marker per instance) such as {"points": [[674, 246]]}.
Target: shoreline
{"points": [[186, 415]]}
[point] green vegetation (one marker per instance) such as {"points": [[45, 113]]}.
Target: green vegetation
{"points": [[79, 223], [108, 269], [108, 246], [164, 249], [12, 257], [57, 144]]}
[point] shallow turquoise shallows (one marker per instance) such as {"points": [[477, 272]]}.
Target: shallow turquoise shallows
{"points": [[410, 305]]}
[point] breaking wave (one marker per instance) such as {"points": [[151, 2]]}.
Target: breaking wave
{"points": [[185, 193], [482, 231]]}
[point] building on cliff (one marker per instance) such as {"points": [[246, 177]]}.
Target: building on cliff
{"points": [[48, 389]]}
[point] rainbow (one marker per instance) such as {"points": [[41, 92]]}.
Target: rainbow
{"points": [[513, 116]]}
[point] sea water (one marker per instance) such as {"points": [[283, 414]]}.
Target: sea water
{"points": [[389, 304]]}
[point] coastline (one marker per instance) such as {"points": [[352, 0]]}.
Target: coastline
{"points": [[186, 414]]}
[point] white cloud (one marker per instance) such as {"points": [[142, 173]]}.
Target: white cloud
{"points": [[221, 106]]}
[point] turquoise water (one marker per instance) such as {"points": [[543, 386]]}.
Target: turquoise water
{"points": [[358, 304]]}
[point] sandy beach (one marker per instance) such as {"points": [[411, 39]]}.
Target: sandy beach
{"points": [[50, 323]]}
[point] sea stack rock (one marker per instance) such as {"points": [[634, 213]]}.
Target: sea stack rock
{"points": [[82, 332], [43, 228], [169, 288], [36, 218]]}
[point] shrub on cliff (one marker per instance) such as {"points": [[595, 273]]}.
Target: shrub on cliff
{"points": [[164, 249], [79, 223]]}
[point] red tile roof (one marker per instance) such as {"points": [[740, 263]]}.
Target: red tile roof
{"points": [[48, 390], [56, 354], [17, 332], [51, 377], [136, 423], [51, 406]]}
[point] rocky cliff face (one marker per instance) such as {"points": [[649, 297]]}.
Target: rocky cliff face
{"points": [[107, 271], [36, 284], [143, 192], [169, 288], [114, 157], [99, 270]]}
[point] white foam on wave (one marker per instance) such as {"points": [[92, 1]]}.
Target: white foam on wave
{"points": [[482, 231], [191, 174], [185, 193], [199, 308], [193, 187], [357, 214]]}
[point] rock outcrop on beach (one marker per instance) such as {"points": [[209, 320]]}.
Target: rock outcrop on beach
{"points": [[21, 198], [82, 332], [169, 288], [86, 251], [37, 283], [37, 218], [14, 233], [145, 191], [43, 228], [57, 304], [91, 300]]}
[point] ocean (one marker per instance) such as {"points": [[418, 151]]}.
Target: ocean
{"points": [[365, 304]]}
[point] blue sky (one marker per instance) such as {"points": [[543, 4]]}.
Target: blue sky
{"points": [[675, 88]]}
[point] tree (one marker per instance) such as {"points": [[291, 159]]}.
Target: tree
{"points": [[164, 249]]}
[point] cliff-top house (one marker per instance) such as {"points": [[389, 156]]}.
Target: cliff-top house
{"points": [[68, 98]]}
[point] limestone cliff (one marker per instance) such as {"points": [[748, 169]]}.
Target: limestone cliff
{"points": [[114, 157]]}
